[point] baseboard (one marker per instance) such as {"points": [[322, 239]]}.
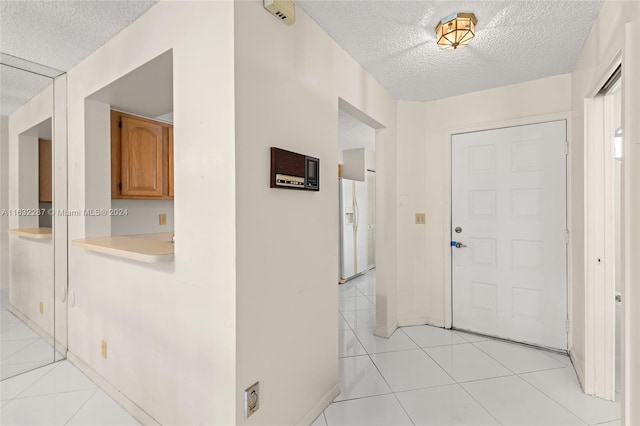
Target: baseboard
{"points": [[410, 322], [420, 321], [317, 409], [578, 369], [138, 413], [386, 333]]}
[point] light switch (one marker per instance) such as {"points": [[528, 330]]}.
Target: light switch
{"points": [[162, 219], [420, 218]]}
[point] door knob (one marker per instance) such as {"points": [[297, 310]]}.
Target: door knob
{"points": [[460, 245]]}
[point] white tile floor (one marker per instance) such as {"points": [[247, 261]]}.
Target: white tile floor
{"points": [[431, 376], [420, 376], [21, 349], [58, 394], [47, 393]]}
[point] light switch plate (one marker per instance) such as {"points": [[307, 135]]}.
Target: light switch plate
{"points": [[420, 218], [162, 219]]}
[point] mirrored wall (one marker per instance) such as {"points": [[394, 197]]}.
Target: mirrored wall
{"points": [[29, 298]]}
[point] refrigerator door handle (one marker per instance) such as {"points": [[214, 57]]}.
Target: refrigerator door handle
{"points": [[356, 221]]}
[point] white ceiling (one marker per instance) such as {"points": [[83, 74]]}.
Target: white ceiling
{"points": [[18, 86], [61, 33], [516, 41], [353, 133], [55, 33]]}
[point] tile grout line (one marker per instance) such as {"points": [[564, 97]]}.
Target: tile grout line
{"points": [[556, 401], [56, 393], [37, 380], [552, 400], [493, 358], [478, 402], [21, 349], [430, 357], [390, 388], [80, 408], [452, 378]]}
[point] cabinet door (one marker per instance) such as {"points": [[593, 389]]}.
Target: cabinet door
{"points": [[45, 178], [170, 154], [116, 157], [142, 168]]}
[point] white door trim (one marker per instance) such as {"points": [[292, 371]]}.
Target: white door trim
{"points": [[631, 226], [447, 226], [599, 374]]}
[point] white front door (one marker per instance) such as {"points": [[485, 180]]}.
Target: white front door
{"points": [[509, 209]]}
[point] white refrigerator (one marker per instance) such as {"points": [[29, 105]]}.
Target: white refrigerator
{"points": [[353, 228]]}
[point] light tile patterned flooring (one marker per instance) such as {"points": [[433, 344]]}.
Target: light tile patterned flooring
{"points": [[53, 394], [58, 394], [425, 375], [420, 376], [21, 349]]}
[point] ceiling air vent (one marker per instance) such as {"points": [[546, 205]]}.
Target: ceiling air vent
{"points": [[284, 10]]}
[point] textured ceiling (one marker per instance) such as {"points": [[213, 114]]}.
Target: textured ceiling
{"points": [[57, 34], [17, 87], [516, 41], [353, 133], [60, 34]]}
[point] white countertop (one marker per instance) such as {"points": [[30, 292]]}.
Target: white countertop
{"points": [[151, 248]]}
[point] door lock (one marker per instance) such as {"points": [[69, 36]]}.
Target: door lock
{"points": [[458, 230]]}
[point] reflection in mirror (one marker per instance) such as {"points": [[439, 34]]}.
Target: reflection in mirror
{"points": [[27, 296]]}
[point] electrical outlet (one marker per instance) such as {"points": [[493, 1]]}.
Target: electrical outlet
{"points": [[162, 219], [420, 218], [103, 349], [42, 307], [251, 399]]}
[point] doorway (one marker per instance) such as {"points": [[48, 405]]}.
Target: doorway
{"points": [[357, 187], [604, 238], [509, 233]]}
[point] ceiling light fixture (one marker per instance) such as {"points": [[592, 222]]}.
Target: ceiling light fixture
{"points": [[456, 30]]}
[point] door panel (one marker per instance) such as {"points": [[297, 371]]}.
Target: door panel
{"points": [[142, 168], [509, 199]]}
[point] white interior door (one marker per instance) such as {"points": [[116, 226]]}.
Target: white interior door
{"points": [[509, 206]]}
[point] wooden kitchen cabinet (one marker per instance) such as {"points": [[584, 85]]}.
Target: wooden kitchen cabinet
{"points": [[45, 175], [141, 158]]}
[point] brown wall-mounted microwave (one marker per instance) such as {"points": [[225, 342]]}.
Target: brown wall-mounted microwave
{"points": [[291, 170]]}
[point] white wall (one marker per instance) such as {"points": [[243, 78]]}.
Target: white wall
{"points": [[4, 201], [170, 327], [599, 56], [424, 161], [141, 217], [288, 84]]}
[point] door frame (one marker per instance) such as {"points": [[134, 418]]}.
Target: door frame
{"points": [[447, 224]]}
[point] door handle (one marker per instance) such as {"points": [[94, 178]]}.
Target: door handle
{"points": [[457, 244]]}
